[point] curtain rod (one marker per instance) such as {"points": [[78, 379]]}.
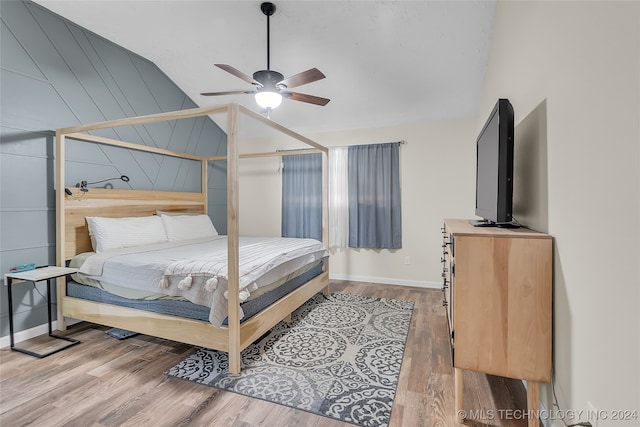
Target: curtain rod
{"points": [[401, 142], [294, 149]]}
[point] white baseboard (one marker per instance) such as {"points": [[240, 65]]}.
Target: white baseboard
{"points": [[43, 329], [387, 281], [32, 333], [27, 334]]}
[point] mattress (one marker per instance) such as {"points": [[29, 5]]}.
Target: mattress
{"points": [[186, 309], [196, 270]]}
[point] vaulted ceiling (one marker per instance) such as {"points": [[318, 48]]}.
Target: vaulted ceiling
{"points": [[386, 62]]}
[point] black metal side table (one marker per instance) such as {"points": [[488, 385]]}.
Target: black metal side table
{"points": [[37, 275]]}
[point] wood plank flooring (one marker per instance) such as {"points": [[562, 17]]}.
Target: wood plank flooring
{"points": [[105, 382]]}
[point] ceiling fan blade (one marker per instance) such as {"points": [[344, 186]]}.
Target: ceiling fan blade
{"points": [[303, 78], [231, 92], [303, 97], [229, 69]]}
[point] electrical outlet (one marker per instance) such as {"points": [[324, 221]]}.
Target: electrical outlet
{"points": [[592, 414], [407, 260]]}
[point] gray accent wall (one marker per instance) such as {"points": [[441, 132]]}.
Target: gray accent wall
{"points": [[56, 74]]}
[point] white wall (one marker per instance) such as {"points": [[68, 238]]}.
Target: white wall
{"points": [[572, 72], [437, 179]]}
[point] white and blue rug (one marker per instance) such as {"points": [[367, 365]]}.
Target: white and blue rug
{"points": [[340, 357]]}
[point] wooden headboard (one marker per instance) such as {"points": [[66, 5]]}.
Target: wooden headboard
{"points": [[118, 204]]}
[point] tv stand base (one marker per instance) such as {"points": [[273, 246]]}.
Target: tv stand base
{"points": [[484, 223]]}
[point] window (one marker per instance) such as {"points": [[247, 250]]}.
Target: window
{"points": [[374, 196], [302, 196], [364, 196]]}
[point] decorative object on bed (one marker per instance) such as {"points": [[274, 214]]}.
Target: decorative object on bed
{"points": [[80, 214], [339, 357]]}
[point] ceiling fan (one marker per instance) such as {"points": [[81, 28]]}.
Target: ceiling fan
{"points": [[269, 85]]}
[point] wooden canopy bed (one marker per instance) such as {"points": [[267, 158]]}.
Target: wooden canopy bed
{"points": [[73, 236]]}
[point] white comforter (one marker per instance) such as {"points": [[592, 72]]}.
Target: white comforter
{"points": [[197, 269]]}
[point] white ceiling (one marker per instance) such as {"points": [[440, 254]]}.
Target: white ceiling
{"points": [[386, 62]]}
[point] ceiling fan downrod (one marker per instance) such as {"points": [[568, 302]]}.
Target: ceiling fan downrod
{"points": [[268, 9], [271, 86]]}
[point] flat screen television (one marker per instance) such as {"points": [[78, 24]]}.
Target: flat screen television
{"points": [[494, 168]]}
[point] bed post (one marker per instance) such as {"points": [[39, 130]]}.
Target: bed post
{"points": [[204, 164], [233, 230], [325, 213], [61, 287]]}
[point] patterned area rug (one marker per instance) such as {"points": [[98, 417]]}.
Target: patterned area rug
{"points": [[340, 357]]}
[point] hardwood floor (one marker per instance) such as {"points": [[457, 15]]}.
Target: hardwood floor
{"points": [[106, 382]]}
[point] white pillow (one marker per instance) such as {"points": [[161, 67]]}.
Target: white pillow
{"points": [[116, 233], [185, 227]]}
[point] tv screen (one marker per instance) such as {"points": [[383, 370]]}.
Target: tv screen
{"points": [[494, 167]]}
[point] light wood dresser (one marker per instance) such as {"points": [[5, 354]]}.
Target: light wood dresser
{"points": [[497, 286]]}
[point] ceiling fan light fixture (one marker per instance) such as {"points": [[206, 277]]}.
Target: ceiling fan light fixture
{"points": [[268, 99], [270, 86]]}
